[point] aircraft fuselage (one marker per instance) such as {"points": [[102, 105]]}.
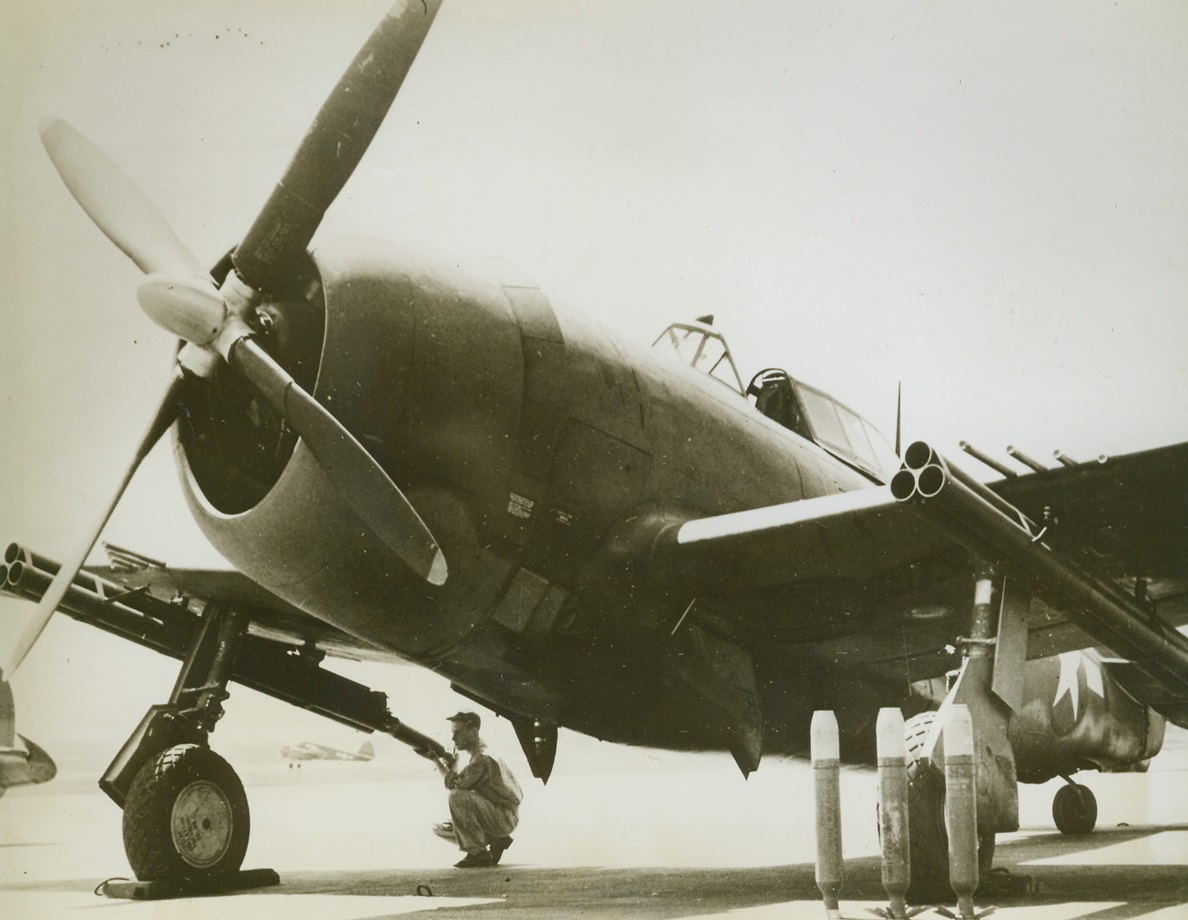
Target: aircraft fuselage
{"points": [[537, 449], [552, 462]]}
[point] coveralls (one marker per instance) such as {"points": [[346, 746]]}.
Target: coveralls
{"points": [[484, 801]]}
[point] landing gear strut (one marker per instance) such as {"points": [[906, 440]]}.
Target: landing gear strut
{"points": [[929, 839], [186, 818], [1074, 808], [990, 685], [185, 812]]}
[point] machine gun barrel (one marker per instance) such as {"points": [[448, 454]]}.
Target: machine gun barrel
{"points": [[985, 458], [1025, 459]]}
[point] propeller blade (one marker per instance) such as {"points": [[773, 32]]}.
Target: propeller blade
{"points": [[164, 417], [190, 308], [179, 298], [333, 146], [353, 471], [117, 205]]}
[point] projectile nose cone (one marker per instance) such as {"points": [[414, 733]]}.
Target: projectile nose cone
{"points": [[438, 570], [889, 734], [189, 308]]}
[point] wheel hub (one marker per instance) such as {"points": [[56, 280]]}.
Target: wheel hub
{"points": [[201, 824]]}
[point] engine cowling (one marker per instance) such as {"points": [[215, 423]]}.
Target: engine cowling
{"points": [[423, 365]]}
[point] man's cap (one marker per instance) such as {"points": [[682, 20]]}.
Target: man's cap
{"points": [[469, 719]]}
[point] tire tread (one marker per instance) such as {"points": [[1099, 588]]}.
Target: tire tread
{"points": [[148, 809]]}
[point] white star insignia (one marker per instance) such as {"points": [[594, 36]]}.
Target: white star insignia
{"points": [[1069, 682]]}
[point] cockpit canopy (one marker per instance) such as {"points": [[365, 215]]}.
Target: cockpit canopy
{"points": [[825, 421], [809, 412]]}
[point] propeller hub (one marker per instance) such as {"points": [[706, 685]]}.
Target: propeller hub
{"points": [[190, 308]]}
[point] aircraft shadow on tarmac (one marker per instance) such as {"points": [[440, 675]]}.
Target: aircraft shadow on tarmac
{"points": [[540, 893], [536, 892], [533, 891]]}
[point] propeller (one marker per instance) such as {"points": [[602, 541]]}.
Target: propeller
{"points": [[179, 295], [333, 146], [166, 412], [115, 203]]}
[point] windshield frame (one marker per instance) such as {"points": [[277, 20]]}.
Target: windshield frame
{"points": [[689, 343]]}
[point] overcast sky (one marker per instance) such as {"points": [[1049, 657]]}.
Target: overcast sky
{"points": [[985, 201]]}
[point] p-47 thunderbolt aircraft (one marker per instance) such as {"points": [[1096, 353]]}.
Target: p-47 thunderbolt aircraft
{"points": [[404, 462]]}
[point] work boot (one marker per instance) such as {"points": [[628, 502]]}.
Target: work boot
{"points": [[475, 860], [498, 845]]}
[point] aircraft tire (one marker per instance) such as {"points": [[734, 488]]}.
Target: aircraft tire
{"points": [[1074, 809], [186, 817], [929, 841]]}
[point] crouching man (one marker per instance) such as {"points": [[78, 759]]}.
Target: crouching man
{"points": [[484, 795]]}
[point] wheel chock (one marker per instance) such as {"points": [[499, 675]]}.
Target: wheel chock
{"points": [[165, 889]]}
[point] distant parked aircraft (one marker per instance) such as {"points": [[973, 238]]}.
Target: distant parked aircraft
{"points": [[309, 750]]}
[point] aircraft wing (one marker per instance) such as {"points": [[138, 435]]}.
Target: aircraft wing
{"points": [[855, 579], [1123, 516], [280, 654], [862, 579], [157, 606], [272, 617]]}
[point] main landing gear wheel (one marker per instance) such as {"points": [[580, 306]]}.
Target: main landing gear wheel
{"points": [[1074, 809], [929, 841], [186, 817]]}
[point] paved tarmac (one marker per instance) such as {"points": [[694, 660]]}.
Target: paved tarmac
{"points": [[651, 835]]}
